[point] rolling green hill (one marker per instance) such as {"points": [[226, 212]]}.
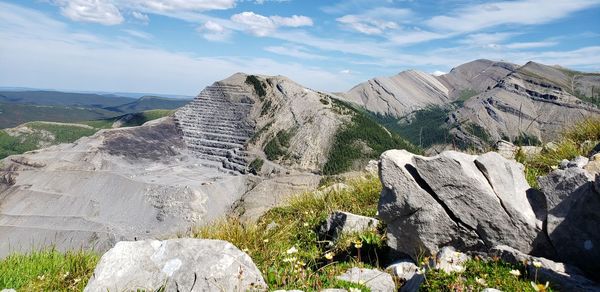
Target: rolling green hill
{"points": [[18, 107], [36, 135]]}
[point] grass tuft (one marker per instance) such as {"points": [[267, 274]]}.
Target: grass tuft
{"points": [[576, 140], [47, 270], [296, 225]]}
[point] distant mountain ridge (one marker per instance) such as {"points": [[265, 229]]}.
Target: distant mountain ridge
{"points": [[480, 102], [21, 106]]}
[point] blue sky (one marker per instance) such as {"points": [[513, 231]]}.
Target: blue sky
{"points": [[180, 46]]}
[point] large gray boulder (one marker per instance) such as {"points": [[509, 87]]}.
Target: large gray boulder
{"points": [[176, 265], [455, 199], [573, 217]]}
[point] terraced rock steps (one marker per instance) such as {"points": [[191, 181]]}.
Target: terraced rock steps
{"points": [[215, 125]]}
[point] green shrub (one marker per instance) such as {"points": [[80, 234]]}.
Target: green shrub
{"points": [[346, 148], [256, 165], [526, 139], [257, 84], [277, 147]]}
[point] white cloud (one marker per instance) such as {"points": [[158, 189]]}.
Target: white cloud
{"points": [[530, 45], [294, 51], [293, 21], [522, 12], [214, 31], [96, 11], [44, 53], [255, 23], [346, 71], [143, 18], [260, 25], [438, 73], [138, 34], [157, 6], [374, 21]]}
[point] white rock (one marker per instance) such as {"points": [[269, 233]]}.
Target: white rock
{"points": [[375, 280], [177, 264]]}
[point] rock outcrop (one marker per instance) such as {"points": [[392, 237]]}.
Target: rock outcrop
{"points": [[176, 265], [469, 202], [573, 216]]}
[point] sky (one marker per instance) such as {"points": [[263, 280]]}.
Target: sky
{"points": [[181, 46]]}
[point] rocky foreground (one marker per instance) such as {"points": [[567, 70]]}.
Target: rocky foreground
{"points": [[450, 207]]}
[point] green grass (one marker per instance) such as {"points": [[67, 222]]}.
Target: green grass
{"points": [[47, 270], [351, 139], [63, 133], [295, 225], [572, 144], [478, 275]]}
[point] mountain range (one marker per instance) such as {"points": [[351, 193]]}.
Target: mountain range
{"points": [[21, 106], [247, 142], [480, 102]]}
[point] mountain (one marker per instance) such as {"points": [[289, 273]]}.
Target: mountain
{"points": [[21, 106], [149, 103], [58, 98], [400, 94], [480, 102], [240, 147]]}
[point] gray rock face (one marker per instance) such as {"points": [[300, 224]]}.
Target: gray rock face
{"points": [[454, 199], [377, 281], [178, 264], [562, 276], [573, 216], [345, 223], [216, 125], [395, 95]]}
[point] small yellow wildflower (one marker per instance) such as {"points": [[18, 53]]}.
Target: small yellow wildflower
{"points": [[292, 250], [358, 244], [329, 255], [305, 224], [540, 287], [537, 264], [245, 250], [266, 240], [515, 273]]}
